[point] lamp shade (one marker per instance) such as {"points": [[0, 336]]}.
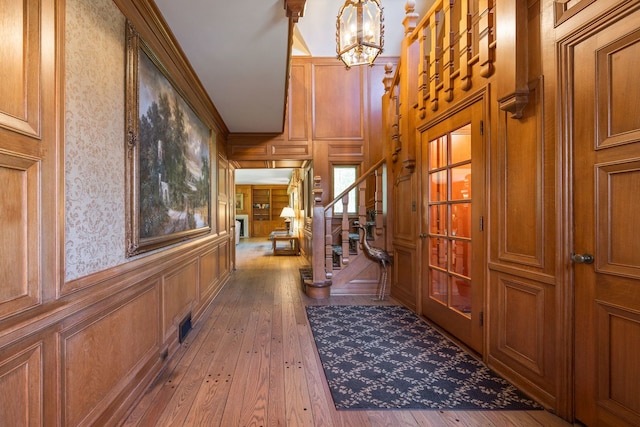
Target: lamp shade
{"points": [[359, 32], [287, 212]]}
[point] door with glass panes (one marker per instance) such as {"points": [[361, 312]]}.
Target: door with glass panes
{"points": [[452, 235]]}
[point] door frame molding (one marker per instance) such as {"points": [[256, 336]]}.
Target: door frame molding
{"points": [[479, 96]]}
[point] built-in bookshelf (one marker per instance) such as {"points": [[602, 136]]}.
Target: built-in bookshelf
{"points": [[267, 203]]}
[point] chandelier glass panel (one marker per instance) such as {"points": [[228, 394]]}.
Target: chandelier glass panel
{"points": [[359, 32]]}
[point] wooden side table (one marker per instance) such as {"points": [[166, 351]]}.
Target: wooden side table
{"points": [[291, 244]]}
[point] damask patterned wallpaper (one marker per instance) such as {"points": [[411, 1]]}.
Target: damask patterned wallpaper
{"points": [[94, 137]]}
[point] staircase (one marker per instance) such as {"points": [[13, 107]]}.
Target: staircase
{"points": [[338, 265]]}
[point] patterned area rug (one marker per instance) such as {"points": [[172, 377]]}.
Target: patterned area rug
{"points": [[386, 357]]}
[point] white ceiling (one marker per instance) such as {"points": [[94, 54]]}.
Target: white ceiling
{"points": [[239, 50]]}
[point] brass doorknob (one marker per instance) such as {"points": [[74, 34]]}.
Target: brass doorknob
{"points": [[582, 258]]}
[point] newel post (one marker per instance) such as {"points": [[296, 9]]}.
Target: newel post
{"points": [[320, 286]]}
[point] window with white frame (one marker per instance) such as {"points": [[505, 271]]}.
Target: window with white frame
{"points": [[343, 177]]}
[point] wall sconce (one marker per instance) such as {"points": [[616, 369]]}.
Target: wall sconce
{"points": [[359, 32], [287, 213]]}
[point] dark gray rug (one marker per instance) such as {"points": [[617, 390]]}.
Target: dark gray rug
{"points": [[386, 357]]}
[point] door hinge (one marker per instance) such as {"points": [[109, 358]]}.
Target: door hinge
{"points": [[481, 318], [481, 127], [481, 223]]}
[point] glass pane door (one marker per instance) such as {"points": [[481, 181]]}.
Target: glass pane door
{"points": [[452, 244], [449, 207]]}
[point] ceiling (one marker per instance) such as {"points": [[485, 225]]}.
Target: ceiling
{"points": [[239, 51]]}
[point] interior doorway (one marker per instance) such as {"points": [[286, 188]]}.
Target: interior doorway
{"points": [[452, 231], [604, 149]]}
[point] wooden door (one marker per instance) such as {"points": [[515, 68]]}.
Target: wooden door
{"points": [[453, 250], [604, 92]]}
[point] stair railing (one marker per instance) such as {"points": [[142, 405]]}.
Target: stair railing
{"points": [[322, 235]]}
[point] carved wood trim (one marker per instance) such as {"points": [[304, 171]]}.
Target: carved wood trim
{"points": [[513, 51], [295, 9], [562, 11]]}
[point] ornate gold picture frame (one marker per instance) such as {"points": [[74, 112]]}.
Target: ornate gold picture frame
{"points": [[168, 157]]}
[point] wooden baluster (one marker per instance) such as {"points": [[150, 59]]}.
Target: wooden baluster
{"points": [[328, 243], [362, 207], [395, 127], [436, 57], [423, 73], [344, 259], [378, 200], [388, 107], [465, 45], [487, 38], [448, 52]]}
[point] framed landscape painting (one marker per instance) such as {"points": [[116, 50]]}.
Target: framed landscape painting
{"points": [[168, 157]]}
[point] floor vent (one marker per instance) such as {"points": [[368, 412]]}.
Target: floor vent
{"points": [[184, 328]]}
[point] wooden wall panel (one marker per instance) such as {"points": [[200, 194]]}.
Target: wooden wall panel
{"points": [[21, 388], [20, 32], [85, 356], [404, 287], [522, 332], [404, 225], [338, 102], [265, 148], [208, 272], [338, 150], [251, 148], [520, 220], [224, 254], [298, 105], [100, 354], [179, 292], [19, 248], [290, 150], [521, 308]]}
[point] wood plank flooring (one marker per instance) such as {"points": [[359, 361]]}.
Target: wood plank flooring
{"points": [[251, 361]]}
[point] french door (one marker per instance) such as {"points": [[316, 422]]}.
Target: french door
{"points": [[453, 249]]}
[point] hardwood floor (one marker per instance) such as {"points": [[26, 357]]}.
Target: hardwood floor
{"points": [[251, 361]]}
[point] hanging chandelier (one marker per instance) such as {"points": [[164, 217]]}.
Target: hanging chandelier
{"points": [[359, 32]]}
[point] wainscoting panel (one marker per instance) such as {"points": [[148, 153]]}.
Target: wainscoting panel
{"points": [[19, 248], [179, 291], [404, 286], [521, 335], [100, 354], [21, 388], [209, 267]]}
